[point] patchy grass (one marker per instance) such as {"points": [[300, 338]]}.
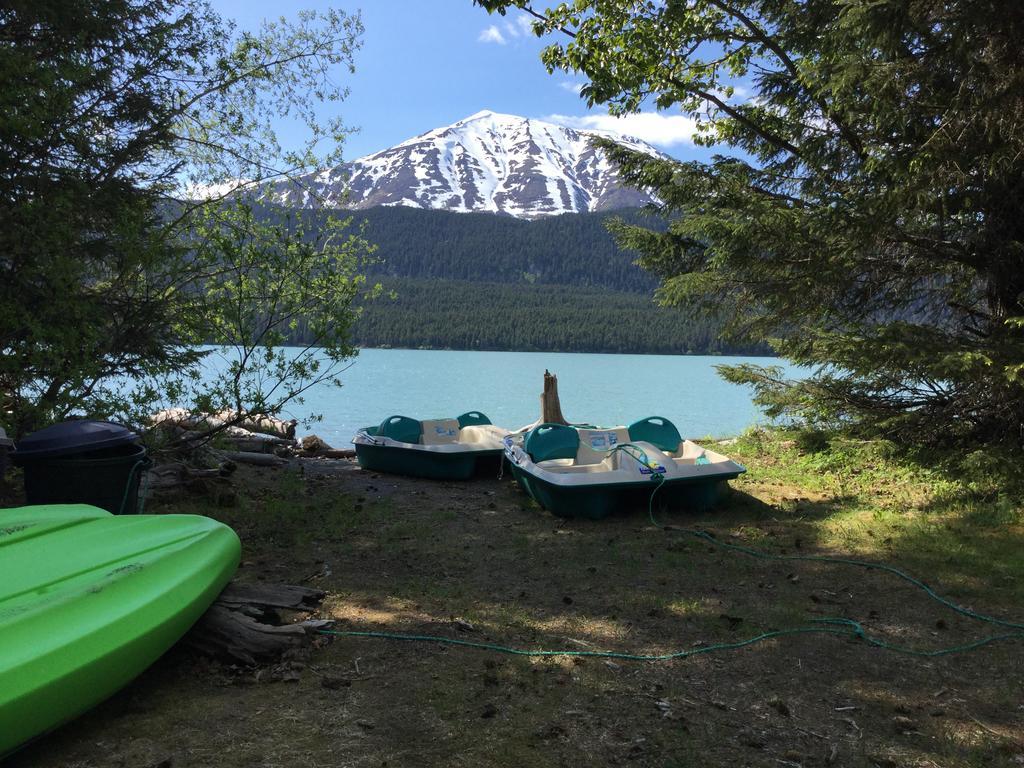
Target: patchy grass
{"points": [[476, 561], [960, 526]]}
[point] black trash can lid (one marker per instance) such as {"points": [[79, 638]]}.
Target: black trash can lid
{"points": [[73, 437]]}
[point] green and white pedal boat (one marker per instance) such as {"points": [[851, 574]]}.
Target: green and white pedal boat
{"points": [[589, 472], [438, 449]]}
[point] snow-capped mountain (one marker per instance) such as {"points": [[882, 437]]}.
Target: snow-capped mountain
{"points": [[486, 162]]}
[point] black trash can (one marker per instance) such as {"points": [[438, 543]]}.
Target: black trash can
{"points": [[83, 462], [6, 446]]}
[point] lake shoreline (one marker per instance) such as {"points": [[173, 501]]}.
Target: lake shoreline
{"points": [[563, 352], [360, 348], [608, 389]]}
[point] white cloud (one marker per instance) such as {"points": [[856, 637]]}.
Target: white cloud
{"points": [[491, 35], [571, 86], [741, 93], [518, 26], [525, 24], [652, 127]]}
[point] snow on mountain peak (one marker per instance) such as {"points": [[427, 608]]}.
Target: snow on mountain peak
{"points": [[477, 115], [485, 162]]}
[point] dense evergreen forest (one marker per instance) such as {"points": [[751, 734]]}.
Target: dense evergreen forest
{"points": [[458, 314], [571, 249], [485, 281]]}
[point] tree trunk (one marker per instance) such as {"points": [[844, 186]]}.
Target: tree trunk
{"points": [[550, 407], [253, 624]]}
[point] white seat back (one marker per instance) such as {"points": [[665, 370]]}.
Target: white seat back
{"points": [[440, 431], [596, 443]]}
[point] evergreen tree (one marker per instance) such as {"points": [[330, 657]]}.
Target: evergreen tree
{"points": [[107, 108], [868, 222]]}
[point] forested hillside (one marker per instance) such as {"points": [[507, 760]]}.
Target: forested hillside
{"points": [[571, 249], [464, 315], [485, 281]]}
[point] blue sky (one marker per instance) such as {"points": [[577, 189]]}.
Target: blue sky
{"points": [[428, 63]]}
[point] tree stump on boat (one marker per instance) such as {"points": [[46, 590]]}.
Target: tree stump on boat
{"points": [[550, 407], [252, 624]]}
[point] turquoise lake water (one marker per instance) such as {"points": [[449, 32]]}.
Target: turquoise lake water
{"points": [[600, 389]]}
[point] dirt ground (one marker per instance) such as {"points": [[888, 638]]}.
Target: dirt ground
{"points": [[479, 562]]}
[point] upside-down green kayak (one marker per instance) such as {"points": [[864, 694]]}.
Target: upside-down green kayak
{"points": [[88, 600]]}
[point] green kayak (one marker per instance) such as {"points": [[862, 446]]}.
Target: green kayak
{"points": [[88, 600]]}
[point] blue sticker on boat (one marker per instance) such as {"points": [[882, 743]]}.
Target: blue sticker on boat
{"points": [[603, 441], [647, 470]]}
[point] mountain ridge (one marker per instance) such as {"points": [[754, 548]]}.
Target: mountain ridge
{"points": [[487, 162]]}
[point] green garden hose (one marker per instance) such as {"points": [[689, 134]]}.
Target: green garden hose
{"points": [[842, 627]]}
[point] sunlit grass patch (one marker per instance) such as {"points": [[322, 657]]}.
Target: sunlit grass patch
{"points": [[961, 524]]}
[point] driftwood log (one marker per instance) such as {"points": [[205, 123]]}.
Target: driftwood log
{"points": [[339, 453], [259, 459], [177, 475], [254, 442], [312, 446], [266, 425], [251, 624]]}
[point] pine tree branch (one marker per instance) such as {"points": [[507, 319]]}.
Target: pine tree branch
{"points": [[771, 44]]}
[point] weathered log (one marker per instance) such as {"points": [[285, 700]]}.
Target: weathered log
{"points": [[257, 443], [182, 417], [272, 596], [177, 474], [267, 425], [241, 434], [234, 438], [249, 446], [259, 459], [339, 453], [232, 635], [550, 407], [251, 624]]}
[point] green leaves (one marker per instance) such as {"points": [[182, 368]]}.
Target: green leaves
{"points": [[110, 108], [865, 211], [271, 278]]}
